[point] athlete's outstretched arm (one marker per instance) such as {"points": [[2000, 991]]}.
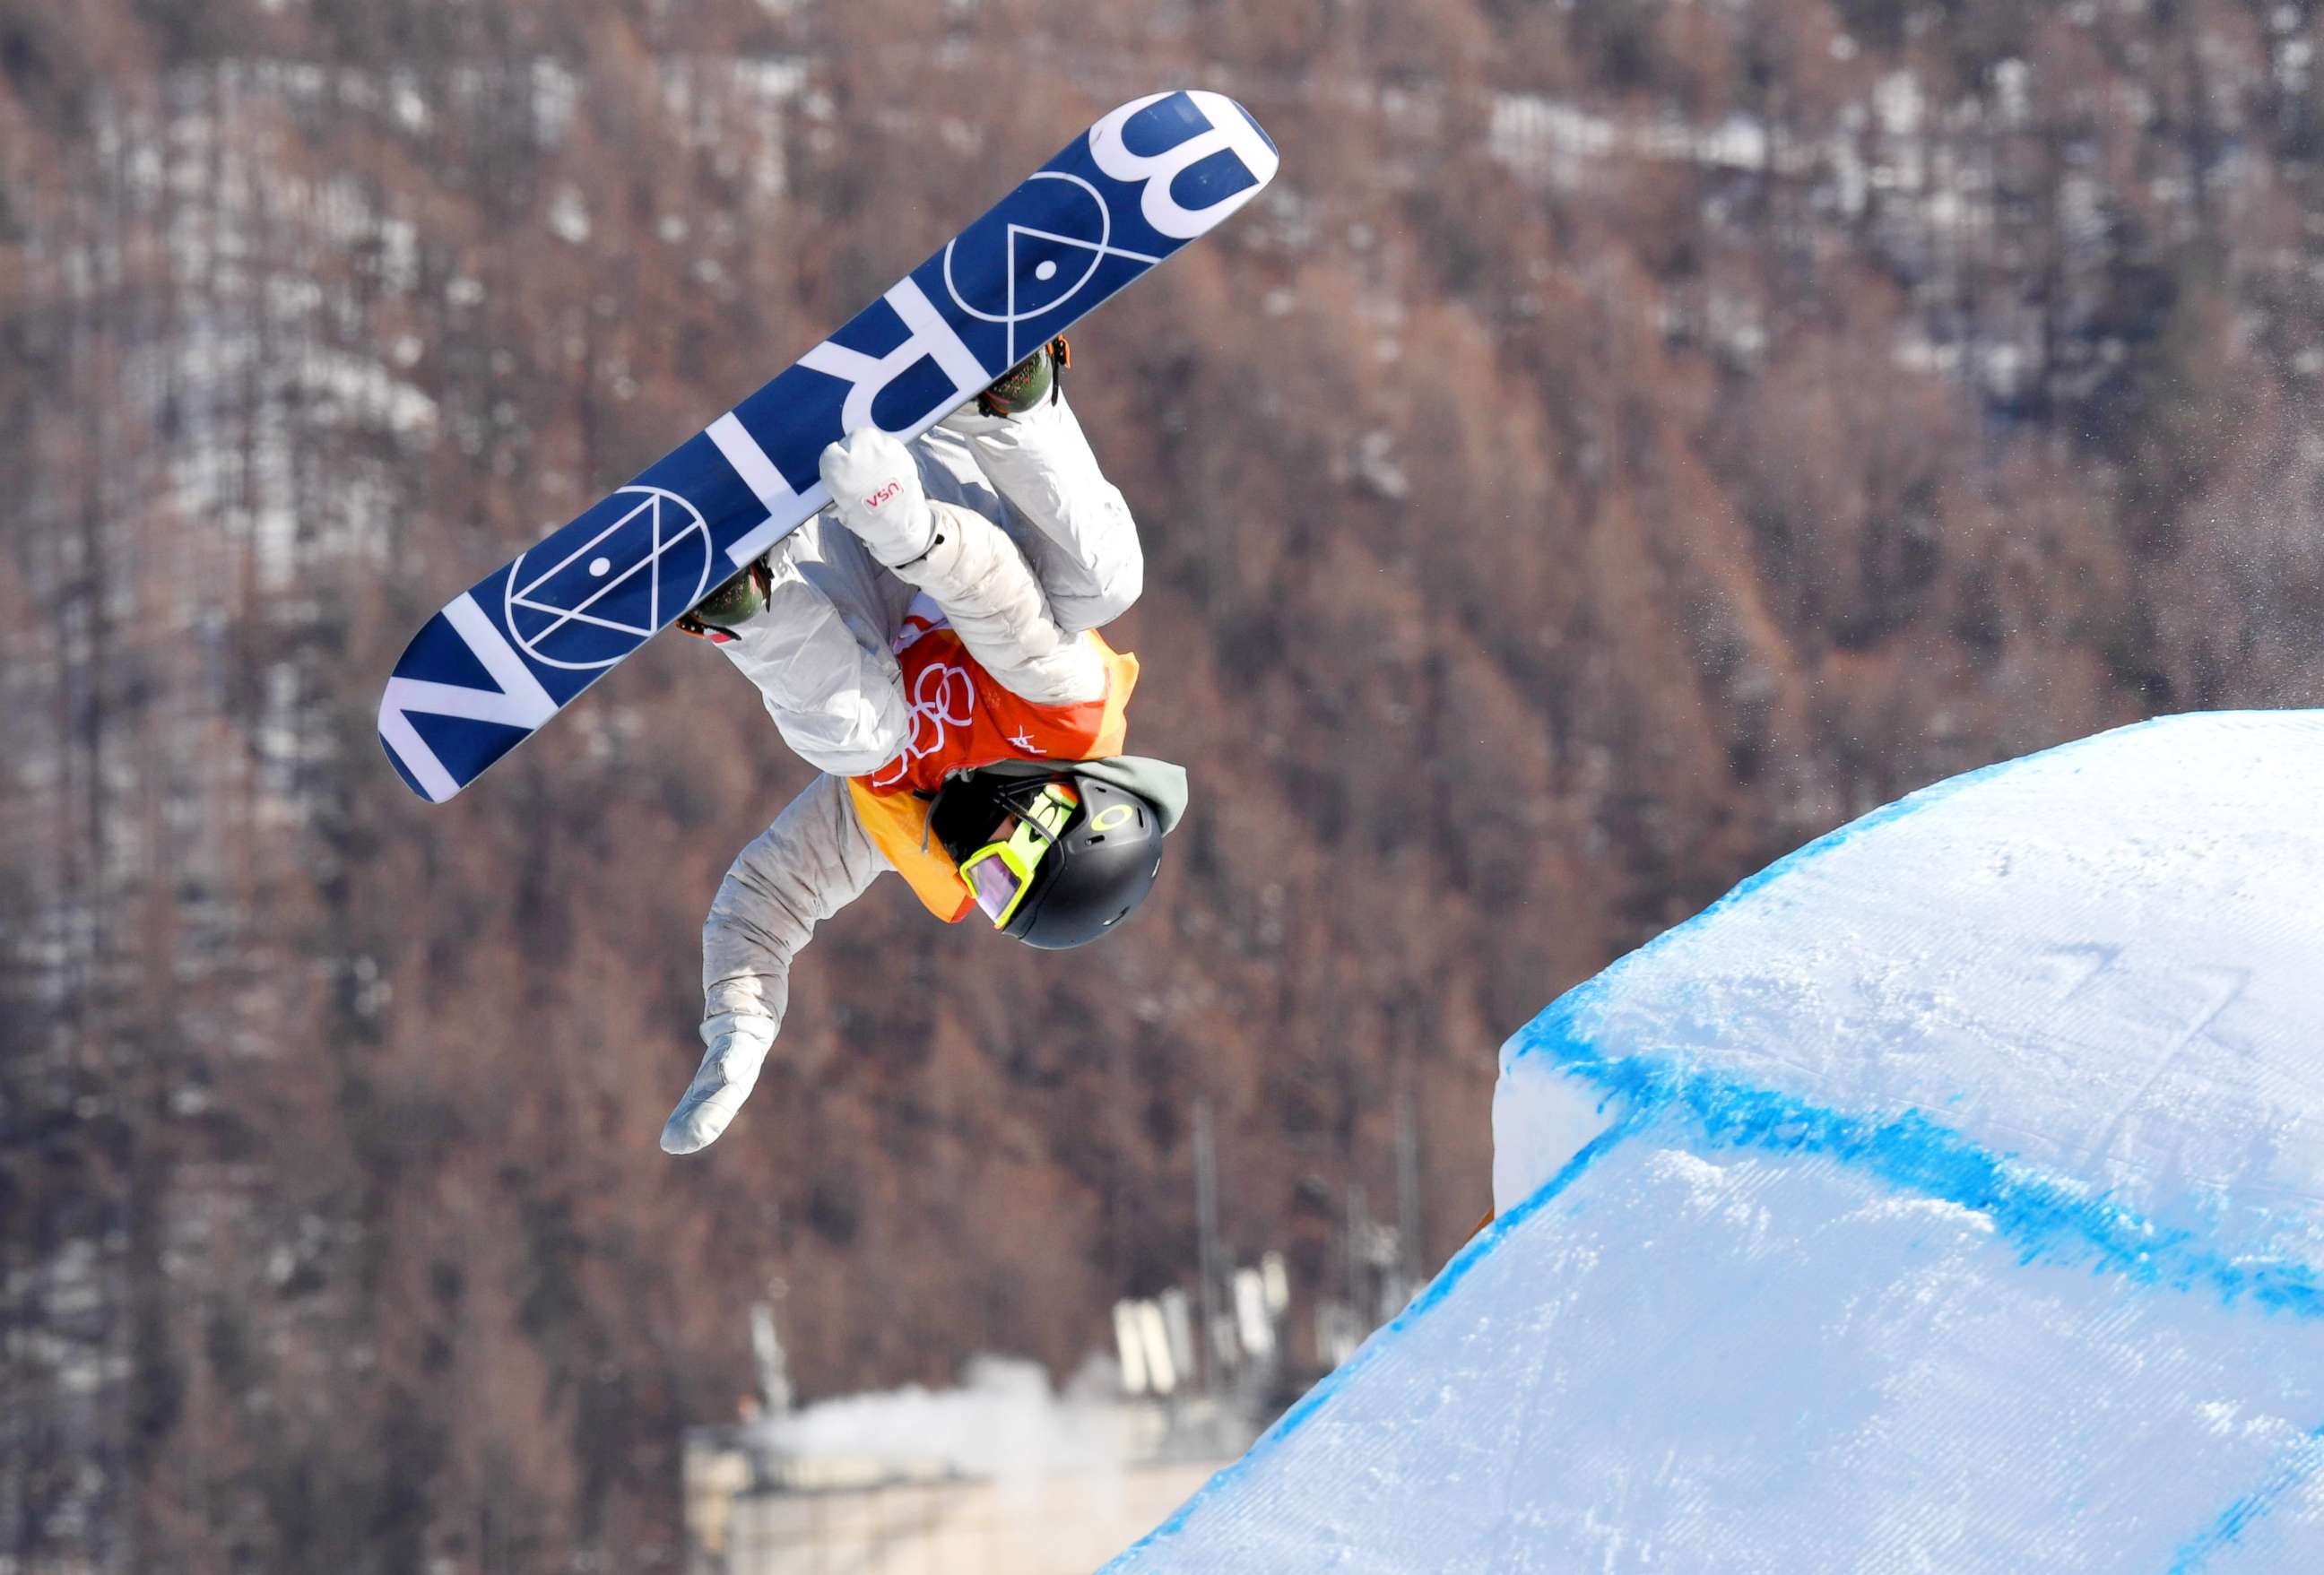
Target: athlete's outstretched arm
{"points": [[813, 861]]}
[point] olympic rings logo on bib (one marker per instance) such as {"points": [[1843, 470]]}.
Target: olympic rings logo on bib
{"points": [[944, 697]]}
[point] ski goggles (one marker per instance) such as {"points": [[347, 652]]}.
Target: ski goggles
{"points": [[1000, 872]]}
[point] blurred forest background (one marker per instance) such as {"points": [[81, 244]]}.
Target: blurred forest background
{"points": [[1631, 437]]}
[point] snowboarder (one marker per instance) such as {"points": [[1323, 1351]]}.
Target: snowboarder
{"points": [[936, 656]]}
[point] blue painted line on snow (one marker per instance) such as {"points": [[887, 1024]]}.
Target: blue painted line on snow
{"points": [[2047, 1220], [2195, 1554]]}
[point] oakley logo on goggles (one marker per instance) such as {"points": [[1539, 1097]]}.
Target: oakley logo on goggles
{"points": [[1000, 872]]}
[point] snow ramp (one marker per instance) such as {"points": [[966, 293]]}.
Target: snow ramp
{"points": [[1945, 1198]]}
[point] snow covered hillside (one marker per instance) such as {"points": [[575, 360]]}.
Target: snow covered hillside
{"points": [[1945, 1198]]}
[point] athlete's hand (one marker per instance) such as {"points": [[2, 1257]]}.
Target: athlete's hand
{"points": [[875, 488], [730, 1070]]}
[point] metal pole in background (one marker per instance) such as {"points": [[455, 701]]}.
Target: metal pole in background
{"points": [[1206, 1246], [1410, 1257]]}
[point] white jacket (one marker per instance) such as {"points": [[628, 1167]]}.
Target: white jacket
{"points": [[1036, 547]]}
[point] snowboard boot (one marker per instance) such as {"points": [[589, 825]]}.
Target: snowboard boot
{"points": [[1031, 382], [718, 615]]}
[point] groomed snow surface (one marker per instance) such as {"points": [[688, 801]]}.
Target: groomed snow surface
{"points": [[1946, 1198]]}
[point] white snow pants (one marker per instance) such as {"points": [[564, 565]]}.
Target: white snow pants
{"points": [[1064, 558]]}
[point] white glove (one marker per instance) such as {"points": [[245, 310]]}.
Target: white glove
{"points": [[875, 490], [730, 1070]]}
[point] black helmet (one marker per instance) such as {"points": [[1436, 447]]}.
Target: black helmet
{"points": [[1096, 868]]}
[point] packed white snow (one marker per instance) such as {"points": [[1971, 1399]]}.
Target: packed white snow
{"points": [[1946, 1198]]}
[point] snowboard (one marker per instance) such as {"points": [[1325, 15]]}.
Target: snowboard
{"points": [[512, 650]]}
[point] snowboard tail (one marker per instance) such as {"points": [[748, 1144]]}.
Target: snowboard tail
{"points": [[518, 646]]}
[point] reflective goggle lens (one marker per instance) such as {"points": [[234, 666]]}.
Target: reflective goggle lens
{"points": [[996, 887]]}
